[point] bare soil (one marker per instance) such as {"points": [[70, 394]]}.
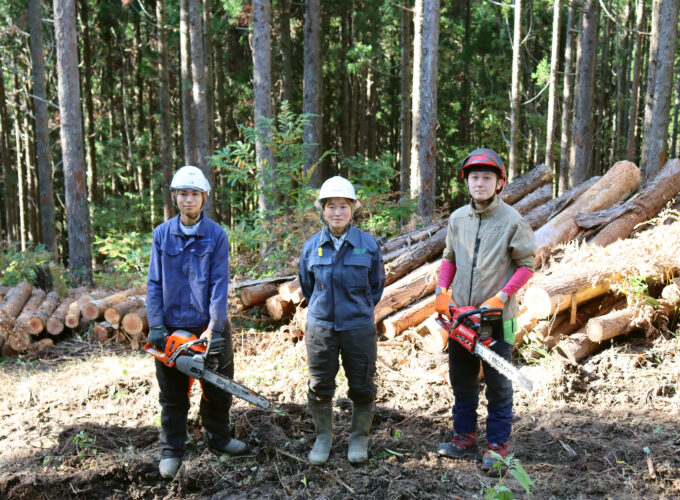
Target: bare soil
{"points": [[84, 423]]}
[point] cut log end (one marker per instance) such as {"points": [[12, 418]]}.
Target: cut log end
{"points": [[54, 326]]}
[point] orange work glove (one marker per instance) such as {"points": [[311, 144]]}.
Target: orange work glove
{"points": [[496, 302], [443, 302]]}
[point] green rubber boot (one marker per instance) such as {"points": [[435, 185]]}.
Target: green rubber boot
{"points": [[362, 418], [322, 414]]}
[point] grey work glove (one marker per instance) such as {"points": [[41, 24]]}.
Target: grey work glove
{"points": [[217, 344], [157, 336]]}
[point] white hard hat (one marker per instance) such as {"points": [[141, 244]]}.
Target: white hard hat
{"points": [[190, 177], [337, 187]]}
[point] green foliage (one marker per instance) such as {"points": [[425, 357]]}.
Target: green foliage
{"points": [[84, 444], [16, 265], [124, 253], [636, 287], [504, 466]]}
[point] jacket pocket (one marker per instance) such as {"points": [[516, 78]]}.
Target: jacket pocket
{"points": [[356, 267], [201, 259]]}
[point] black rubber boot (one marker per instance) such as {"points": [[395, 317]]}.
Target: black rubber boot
{"points": [[322, 414], [362, 418]]}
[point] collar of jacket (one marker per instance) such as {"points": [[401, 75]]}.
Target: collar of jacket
{"points": [[353, 236], [177, 231], [488, 210]]}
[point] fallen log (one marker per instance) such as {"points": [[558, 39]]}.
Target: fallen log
{"points": [[115, 313], [621, 180], [32, 305], [55, 323], [291, 291], [577, 346], [72, 317], [432, 336], [101, 332], [12, 305], [408, 317], [277, 308], [256, 294], [95, 309], [135, 322], [415, 257], [7, 349], [534, 199], [19, 339], [36, 323], [531, 181], [623, 321], [643, 207], [409, 239], [245, 283], [40, 346], [407, 290], [88, 296], [541, 214]]}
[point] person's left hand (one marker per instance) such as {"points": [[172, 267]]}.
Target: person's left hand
{"points": [[496, 302]]}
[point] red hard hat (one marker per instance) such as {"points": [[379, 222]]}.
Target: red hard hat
{"points": [[484, 157]]}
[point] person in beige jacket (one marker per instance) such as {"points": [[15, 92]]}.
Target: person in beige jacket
{"points": [[489, 255]]}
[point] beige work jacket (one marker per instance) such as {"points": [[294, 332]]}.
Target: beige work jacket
{"points": [[487, 246]]}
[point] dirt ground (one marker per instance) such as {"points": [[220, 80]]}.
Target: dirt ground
{"points": [[84, 423]]}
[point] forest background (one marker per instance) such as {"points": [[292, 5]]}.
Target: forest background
{"points": [[101, 101]]}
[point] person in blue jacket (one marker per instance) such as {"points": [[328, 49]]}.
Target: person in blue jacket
{"points": [[342, 277], [187, 290]]}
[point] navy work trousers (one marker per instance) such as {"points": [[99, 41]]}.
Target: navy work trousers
{"points": [[358, 349], [464, 375], [174, 399]]}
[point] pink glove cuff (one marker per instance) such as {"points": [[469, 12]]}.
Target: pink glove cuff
{"points": [[446, 273]]}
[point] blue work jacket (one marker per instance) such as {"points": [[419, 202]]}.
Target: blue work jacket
{"points": [[188, 276], [343, 287]]}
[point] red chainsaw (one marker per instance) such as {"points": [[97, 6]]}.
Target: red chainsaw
{"points": [[471, 327], [192, 356]]}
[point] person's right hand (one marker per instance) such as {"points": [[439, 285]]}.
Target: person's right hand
{"points": [[157, 336], [443, 302]]}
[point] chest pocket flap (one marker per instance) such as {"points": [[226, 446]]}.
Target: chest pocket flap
{"points": [[316, 260], [359, 260], [202, 247]]}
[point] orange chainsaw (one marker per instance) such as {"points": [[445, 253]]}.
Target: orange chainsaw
{"points": [[471, 328], [191, 356]]}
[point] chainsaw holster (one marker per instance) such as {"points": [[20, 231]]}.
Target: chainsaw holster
{"points": [[362, 418], [322, 414]]}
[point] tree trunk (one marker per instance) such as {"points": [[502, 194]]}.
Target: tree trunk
{"points": [[405, 117], [652, 63], [164, 105], [408, 317], [101, 332], [582, 137], [199, 91], [634, 109], [311, 89], [262, 91], [576, 347], [7, 176], [528, 183], [567, 98], [541, 214], [49, 237], [91, 156], [286, 51], [209, 74], [658, 125], [621, 180], [21, 182], [552, 95], [77, 213], [188, 112], [513, 167], [423, 138], [36, 323], [291, 291], [415, 256], [277, 308], [643, 207]]}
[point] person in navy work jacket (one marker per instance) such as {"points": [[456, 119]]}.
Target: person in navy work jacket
{"points": [[342, 277], [187, 290]]}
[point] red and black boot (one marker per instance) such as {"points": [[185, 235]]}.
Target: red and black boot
{"points": [[488, 461], [461, 446]]}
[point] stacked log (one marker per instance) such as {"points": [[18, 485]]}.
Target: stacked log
{"points": [[20, 338], [12, 305], [36, 323], [541, 214], [56, 322], [94, 309], [114, 314]]}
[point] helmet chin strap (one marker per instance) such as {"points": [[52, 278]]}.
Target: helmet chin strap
{"points": [[484, 203]]}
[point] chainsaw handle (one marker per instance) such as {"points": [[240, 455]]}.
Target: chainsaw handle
{"points": [[482, 312]]}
